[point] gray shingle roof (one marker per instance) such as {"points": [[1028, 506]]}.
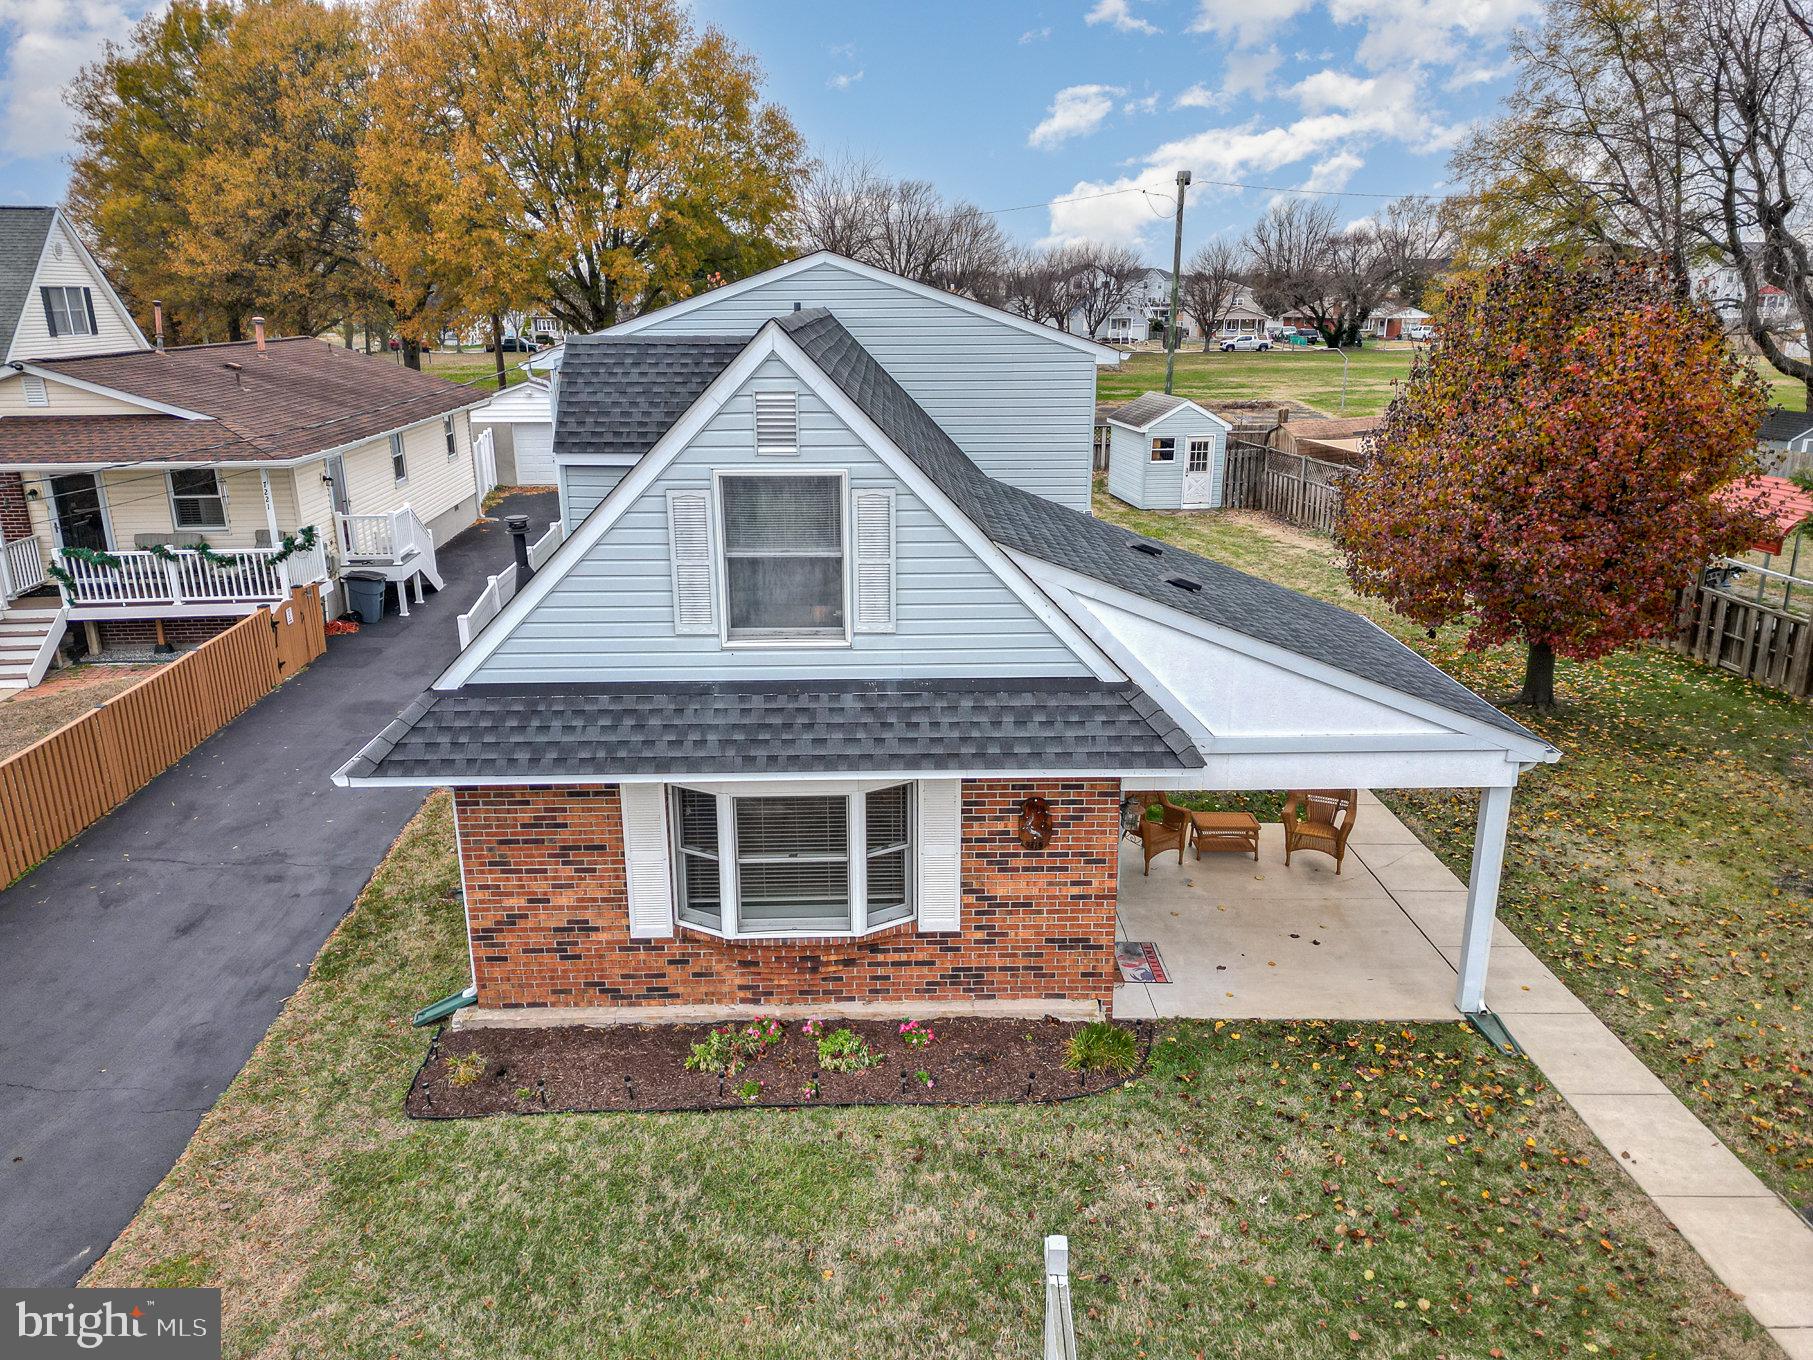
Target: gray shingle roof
{"points": [[619, 393], [611, 731], [1068, 538], [22, 233], [1146, 408], [1781, 426]]}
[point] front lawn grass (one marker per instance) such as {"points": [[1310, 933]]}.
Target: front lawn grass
{"points": [[1307, 1190], [1289, 373], [1663, 870]]}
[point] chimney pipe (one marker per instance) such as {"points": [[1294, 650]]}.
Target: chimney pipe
{"points": [[518, 525], [258, 332], [157, 320]]}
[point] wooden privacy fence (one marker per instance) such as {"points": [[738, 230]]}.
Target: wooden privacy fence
{"points": [[1770, 646], [62, 785], [1295, 488]]}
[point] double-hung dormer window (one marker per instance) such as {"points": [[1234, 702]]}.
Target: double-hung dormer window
{"points": [[802, 864], [68, 311], [783, 557]]}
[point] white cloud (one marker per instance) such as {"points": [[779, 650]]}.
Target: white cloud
{"points": [[1076, 110], [1198, 96], [1247, 23], [1144, 104], [1334, 173], [1120, 14], [1483, 74], [1330, 89], [1428, 31], [1033, 35], [1113, 211], [843, 51], [1250, 73], [844, 79], [45, 43]]}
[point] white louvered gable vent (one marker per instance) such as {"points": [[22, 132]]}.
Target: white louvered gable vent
{"points": [[873, 521], [776, 422], [689, 551], [36, 394]]}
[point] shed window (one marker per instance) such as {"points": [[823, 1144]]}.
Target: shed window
{"points": [[196, 499], [819, 864], [68, 311], [783, 557], [1164, 450], [399, 465]]}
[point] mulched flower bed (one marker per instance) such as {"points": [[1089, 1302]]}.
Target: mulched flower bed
{"points": [[573, 1068]]}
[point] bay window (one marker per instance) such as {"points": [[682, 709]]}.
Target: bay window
{"points": [[805, 863], [783, 557]]}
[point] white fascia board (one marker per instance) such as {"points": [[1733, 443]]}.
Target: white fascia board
{"points": [[1180, 779], [1103, 355], [597, 459], [94, 268], [83, 385], [1495, 738], [772, 340]]}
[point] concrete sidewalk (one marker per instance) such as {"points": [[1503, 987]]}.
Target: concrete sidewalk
{"points": [[1382, 941], [141, 963]]}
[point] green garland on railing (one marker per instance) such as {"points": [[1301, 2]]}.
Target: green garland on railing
{"points": [[290, 544]]}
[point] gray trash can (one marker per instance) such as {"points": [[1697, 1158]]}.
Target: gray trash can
{"points": [[365, 595]]}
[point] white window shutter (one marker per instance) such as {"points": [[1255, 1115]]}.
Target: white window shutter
{"points": [[647, 871], [940, 885], [689, 549], [873, 519], [776, 422]]}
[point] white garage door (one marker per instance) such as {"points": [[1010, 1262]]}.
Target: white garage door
{"points": [[534, 454]]}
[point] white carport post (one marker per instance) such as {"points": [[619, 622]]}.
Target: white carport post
{"points": [[1482, 896]]}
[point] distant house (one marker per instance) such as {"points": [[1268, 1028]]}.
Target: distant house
{"points": [[155, 495], [521, 420], [1395, 321], [1786, 431], [1141, 315], [1166, 453]]}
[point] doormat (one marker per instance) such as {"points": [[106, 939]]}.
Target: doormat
{"points": [[1139, 961]]}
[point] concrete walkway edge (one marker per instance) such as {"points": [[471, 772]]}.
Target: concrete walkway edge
{"points": [[1750, 1237]]}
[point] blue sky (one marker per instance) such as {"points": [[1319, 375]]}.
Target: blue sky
{"points": [[1012, 104]]}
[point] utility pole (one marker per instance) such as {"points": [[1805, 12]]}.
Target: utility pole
{"points": [[1183, 182]]}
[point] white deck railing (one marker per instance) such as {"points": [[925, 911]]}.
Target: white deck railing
{"points": [[501, 589], [484, 461], [246, 576], [21, 568]]}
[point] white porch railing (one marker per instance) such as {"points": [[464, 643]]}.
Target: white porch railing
{"points": [[21, 568], [246, 576], [501, 589], [387, 539]]}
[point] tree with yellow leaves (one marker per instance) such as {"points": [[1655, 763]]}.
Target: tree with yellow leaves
{"points": [[600, 157]]}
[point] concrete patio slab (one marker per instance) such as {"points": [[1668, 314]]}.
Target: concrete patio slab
{"points": [[1663, 1147], [1797, 1342], [1441, 914], [1585, 1060], [1415, 870], [1757, 1245], [1517, 983]]}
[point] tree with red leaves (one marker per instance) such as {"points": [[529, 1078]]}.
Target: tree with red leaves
{"points": [[1549, 471]]}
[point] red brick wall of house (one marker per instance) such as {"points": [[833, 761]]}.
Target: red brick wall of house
{"points": [[15, 517], [549, 913], [177, 632]]}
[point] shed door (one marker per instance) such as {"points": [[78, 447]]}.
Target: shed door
{"points": [[1199, 476], [534, 453]]}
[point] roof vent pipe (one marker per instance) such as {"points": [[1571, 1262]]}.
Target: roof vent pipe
{"points": [[258, 332], [518, 525], [157, 320]]}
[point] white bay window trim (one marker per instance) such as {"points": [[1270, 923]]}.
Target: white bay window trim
{"points": [[857, 855]]}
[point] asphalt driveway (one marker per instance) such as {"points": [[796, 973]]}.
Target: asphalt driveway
{"points": [[141, 964]]}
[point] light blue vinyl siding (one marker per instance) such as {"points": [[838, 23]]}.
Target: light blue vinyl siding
{"points": [[610, 618], [582, 487], [1022, 407], [1134, 478]]}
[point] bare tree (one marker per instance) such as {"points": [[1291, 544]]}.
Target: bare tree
{"points": [[1417, 236], [904, 226], [1041, 285], [1210, 286], [1107, 278]]}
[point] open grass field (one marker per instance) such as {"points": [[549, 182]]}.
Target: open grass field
{"points": [[1664, 869], [1283, 1190], [1311, 376]]}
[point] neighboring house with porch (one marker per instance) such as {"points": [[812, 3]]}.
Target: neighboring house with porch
{"points": [[150, 496], [1166, 453], [828, 701]]}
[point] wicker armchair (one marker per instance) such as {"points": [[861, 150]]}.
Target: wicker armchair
{"points": [[1326, 823], [1157, 837]]}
